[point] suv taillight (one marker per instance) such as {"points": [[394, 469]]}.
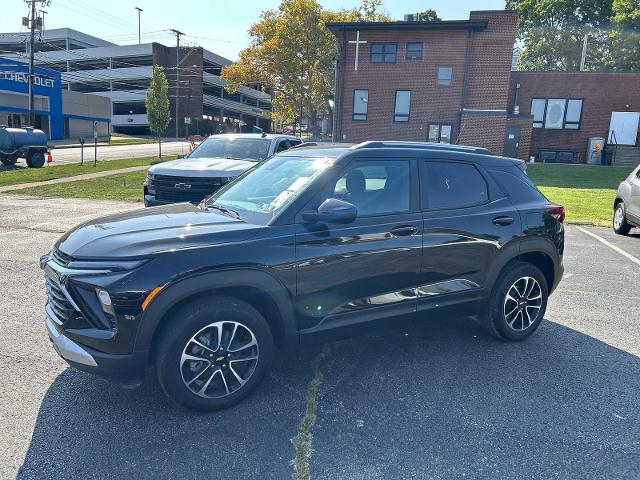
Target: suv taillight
{"points": [[556, 211]]}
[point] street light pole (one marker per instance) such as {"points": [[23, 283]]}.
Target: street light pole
{"points": [[139, 37], [177, 33]]}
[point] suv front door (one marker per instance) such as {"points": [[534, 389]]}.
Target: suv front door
{"points": [[365, 270], [467, 221]]}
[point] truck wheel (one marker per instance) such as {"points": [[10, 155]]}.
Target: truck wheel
{"points": [[36, 160], [8, 161], [214, 353]]}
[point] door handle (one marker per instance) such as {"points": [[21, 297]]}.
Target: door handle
{"points": [[503, 221], [403, 231]]}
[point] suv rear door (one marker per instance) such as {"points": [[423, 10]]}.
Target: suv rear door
{"points": [[467, 221], [367, 269]]}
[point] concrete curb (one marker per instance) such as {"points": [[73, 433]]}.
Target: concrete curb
{"points": [[86, 176]]}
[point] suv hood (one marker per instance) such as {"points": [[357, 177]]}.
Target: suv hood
{"points": [[147, 231], [202, 167]]}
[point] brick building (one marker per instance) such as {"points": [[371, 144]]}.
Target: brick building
{"points": [[584, 104], [451, 81]]}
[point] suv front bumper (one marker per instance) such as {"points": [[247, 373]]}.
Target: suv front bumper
{"points": [[125, 369]]}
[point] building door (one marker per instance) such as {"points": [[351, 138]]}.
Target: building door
{"points": [[511, 142]]}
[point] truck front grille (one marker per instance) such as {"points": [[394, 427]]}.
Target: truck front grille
{"points": [[185, 189]]}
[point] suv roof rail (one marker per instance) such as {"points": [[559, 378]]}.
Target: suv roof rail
{"points": [[423, 146]]}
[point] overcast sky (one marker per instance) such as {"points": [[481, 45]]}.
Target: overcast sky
{"points": [[217, 25]]}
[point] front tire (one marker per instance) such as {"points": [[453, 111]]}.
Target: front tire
{"points": [[620, 224], [518, 302], [36, 160], [215, 351]]}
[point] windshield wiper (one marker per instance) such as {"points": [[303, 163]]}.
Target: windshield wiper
{"points": [[223, 209]]}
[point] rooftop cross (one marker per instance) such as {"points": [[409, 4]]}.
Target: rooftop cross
{"points": [[357, 43]]}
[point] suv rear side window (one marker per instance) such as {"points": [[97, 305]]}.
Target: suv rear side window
{"points": [[517, 185], [451, 185]]}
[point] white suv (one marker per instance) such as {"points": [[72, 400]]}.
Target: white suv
{"points": [[213, 163]]}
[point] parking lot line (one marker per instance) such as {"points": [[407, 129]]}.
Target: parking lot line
{"points": [[611, 246]]}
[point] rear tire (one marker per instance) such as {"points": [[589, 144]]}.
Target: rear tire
{"points": [[36, 160], [620, 224], [215, 351], [8, 161], [518, 302]]}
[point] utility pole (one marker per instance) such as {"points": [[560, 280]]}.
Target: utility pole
{"points": [[32, 38], [139, 37], [583, 58], [177, 33]]}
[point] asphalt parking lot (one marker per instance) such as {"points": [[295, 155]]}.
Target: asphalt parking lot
{"points": [[438, 399]]}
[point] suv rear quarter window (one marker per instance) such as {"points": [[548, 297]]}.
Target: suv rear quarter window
{"points": [[451, 184]]}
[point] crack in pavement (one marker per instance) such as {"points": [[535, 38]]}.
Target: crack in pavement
{"points": [[303, 441]]}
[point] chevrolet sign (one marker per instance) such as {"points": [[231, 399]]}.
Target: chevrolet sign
{"points": [[23, 77]]}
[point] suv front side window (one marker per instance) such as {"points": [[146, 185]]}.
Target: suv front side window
{"points": [[376, 187]]}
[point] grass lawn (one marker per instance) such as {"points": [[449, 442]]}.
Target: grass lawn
{"points": [[18, 175], [586, 191], [126, 187]]}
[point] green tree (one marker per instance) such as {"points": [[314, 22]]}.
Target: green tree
{"points": [[624, 48], [429, 15], [157, 103], [552, 32], [291, 53]]}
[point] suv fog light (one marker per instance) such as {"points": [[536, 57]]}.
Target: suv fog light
{"points": [[105, 301]]}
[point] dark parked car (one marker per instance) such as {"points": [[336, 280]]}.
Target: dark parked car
{"points": [[626, 206], [312, 244]]}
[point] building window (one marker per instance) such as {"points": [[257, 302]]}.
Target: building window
{"points": [[445, 76], [557, 156], [414, 51], [556, 113], [439, 133], [573, 114], [537, 110], [403, 106], [383, 53], [360, 104]]}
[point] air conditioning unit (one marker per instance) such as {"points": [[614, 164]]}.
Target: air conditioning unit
{"points": [[410, 17]]}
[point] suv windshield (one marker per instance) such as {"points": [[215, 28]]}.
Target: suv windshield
{"points": [[238, 148], [264, 191]]}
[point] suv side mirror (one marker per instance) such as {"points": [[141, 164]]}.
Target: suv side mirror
{"points": [[332, 210], [181, 155]]}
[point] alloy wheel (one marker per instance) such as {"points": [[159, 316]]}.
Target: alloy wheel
{"points": [[618, 218], [522, 303], [219, 359]]}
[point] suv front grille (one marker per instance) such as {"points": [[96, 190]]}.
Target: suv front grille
{"points": [[57, 300], [171, 188]]}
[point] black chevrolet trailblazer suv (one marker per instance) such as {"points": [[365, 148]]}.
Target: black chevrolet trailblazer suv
{"points": [[311, 244]]}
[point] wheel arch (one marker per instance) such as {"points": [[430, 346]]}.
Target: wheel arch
{"points": [[256, 287], [538, 251]]}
